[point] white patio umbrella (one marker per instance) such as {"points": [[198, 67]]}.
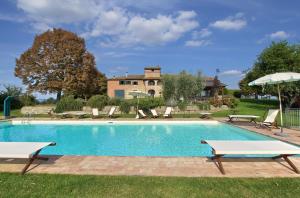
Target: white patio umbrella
{"points": [[137, 94], [277, 78]]}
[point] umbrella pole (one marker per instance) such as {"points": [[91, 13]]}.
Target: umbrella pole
{"points": [[280, 109], [137, 107]]}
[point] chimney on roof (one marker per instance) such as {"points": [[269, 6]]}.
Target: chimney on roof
{"points": [[126, 74]]}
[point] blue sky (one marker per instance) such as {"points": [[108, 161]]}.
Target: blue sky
{"points": [[175, 34]]}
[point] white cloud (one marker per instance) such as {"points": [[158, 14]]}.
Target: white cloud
{"points": [[232, 72], [45, 14], [279, 35], [119, 54], [59, 11], [199, 38], [197, 43], [236, 22], [117, 70], [137, 30], [12, 18], [106, 19], [205, 32], [111, 22]]}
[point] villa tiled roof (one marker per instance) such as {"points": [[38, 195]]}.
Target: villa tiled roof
{"points": [[133, 77], [153, 67]]}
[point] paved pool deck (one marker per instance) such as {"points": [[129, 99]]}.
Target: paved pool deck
{"points": [[165, 166]]}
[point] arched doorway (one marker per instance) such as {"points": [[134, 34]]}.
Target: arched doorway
{"points": [[151, 92]]}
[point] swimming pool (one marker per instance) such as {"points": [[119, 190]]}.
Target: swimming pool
{"points": [[125, 138]]}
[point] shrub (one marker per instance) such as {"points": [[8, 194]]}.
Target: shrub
{"points": [[203, 106], [124, 106], [15, 102], [98, 101], [215, 102], [68, 103], [182, 105], [48, 101], [16, 94], [149, 103], [27, 100], [115, 101], [237, 94], [231, 102]]}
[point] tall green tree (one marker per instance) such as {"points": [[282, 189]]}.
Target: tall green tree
{"points": [[169, 87], [85, 81], [278, 57], [57, 62], [183, 86]]}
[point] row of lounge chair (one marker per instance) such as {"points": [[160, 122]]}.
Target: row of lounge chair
{"points": [[95, 112], [154, 114], [167, 114]]}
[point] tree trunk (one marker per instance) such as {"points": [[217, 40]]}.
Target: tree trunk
{"points": [[58, 96]]}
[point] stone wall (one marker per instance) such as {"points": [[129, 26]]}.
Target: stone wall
{"points": [[46, 109], [38, 109]]}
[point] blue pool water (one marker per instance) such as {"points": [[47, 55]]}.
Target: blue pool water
{"points": [[126, 139]]}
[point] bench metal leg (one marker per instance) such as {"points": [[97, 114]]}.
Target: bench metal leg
{"points": [[217, 158], [253, 120], [230, 119], [285, 157], [34, 157], [291, 164]]}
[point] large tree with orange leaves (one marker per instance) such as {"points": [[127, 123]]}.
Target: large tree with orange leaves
{"points": [[58, 62]]}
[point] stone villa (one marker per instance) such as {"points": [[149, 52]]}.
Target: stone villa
{"points": [[149, 82]]}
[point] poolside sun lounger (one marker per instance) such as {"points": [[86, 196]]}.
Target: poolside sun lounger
{"points": [[168, 112], [27, 150], [154, 113], [252, 118], [95, 112], [63, 115], [79, 114], [270, 120], [142, 114], [111, 111], [278, 148]]}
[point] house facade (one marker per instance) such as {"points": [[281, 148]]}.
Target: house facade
{"points": [[151, 83]]}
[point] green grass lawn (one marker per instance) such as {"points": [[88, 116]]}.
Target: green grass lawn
{"points": [[14, 113], [247, 108], [42, 185]]}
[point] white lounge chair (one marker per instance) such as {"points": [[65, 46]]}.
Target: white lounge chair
{"points": [[168, 112], [95, 112], [111, 111], [252, 118], [270, 120], [278, 148], [142, 114], [26, 150], [78, 114], [154, 113], [63, 115]]}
